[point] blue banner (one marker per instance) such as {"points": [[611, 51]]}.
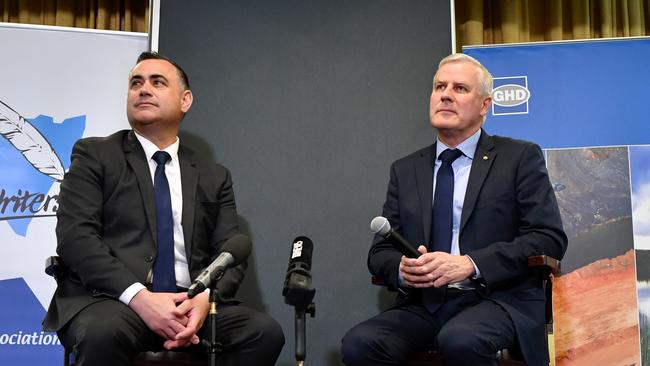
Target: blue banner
{"points": [[59, 85], [575, 94]]}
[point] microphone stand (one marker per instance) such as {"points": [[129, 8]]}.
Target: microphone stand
{"points": [[214, 347], [301, 348]]}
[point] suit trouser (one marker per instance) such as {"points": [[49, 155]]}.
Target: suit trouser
{"points": [[110, 333], [466, 330]]}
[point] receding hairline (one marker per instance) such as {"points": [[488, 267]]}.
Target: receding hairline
{"points": [[179, 75], [180, 72]]}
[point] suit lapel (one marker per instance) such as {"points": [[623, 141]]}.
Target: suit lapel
{"points": [[481, 164], [424, 184], [138, 163], [189, 181]]}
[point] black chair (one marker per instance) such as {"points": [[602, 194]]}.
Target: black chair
{"points": [[54, 267], [546, 267]]}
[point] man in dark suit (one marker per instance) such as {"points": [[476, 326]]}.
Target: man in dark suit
{"points": [[120, 293], [490, 206]]}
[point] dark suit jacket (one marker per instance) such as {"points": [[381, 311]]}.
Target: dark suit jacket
{"points": [[106, 229], [509, 213]]}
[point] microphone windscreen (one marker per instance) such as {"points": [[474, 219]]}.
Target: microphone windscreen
{"points": [[297, 290], [380, 225], [301, 251], [239, 246]]}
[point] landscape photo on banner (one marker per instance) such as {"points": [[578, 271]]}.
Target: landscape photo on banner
{"points": [[597, 142], [67, 84]]}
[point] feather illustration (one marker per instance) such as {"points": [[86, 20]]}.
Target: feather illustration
{"points": [[30, 142]]}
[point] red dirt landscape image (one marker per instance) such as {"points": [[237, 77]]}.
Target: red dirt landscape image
{"points": [[595, 316], [596, 319]]}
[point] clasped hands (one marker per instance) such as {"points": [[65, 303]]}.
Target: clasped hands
{"points": [[435, 269], [173, 316]]}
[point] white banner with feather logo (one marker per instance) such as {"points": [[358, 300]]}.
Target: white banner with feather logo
{"points": [[61, 84]]}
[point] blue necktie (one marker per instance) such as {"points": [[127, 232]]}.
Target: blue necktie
{"points": [[441, 222], [443, 203], [164, 276]]}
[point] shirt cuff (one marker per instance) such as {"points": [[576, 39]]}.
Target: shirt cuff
{"points": [[477, 272], [400, 280], [130, 293]]}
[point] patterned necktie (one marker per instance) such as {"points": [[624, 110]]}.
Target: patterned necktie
{"points": [[164, 276], [441, 222]]}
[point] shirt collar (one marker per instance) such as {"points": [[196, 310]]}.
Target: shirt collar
{"points": [[467, 147], [150, 148]]}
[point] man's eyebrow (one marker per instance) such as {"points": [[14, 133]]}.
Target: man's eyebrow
{"points": [[152, 76], [461, 83], [157, 76]]}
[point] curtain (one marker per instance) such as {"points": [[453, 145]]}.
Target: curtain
{"points": [[123, 15], [477, 21], [512, 21]]}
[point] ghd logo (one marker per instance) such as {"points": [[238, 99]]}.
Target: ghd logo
{"points": [[510, 95]]}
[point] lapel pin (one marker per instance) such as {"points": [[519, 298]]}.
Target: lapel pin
{"points": [[485, 157]]}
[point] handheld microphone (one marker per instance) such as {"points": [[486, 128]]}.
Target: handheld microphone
{"points": [[297, 289], [380, 226], [235, 250]]}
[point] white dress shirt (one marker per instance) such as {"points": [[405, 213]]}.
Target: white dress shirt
{"points": [[173, 173]]}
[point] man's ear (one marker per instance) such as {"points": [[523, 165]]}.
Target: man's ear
{"points": [[487, 102], [186, 100]]}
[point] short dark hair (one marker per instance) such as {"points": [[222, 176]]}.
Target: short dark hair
{"points": [[148, 55]]}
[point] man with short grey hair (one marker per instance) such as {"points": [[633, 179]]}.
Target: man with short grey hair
{"points": [[476, 206]]}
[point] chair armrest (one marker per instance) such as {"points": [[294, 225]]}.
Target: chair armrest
{"points": [[54, 267], [377, 281], [545, 262]]}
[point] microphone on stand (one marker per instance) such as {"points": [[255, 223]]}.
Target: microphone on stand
{"points": [[234, 251], [298, 291]]}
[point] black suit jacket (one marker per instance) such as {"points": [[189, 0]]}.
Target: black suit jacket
{"points": [[106, 228], [509, 213]]}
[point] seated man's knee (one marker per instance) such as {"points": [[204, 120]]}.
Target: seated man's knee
{"points": [[98, 330], [103, 330], [268, 333], [461, 343], [359, 346]]}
